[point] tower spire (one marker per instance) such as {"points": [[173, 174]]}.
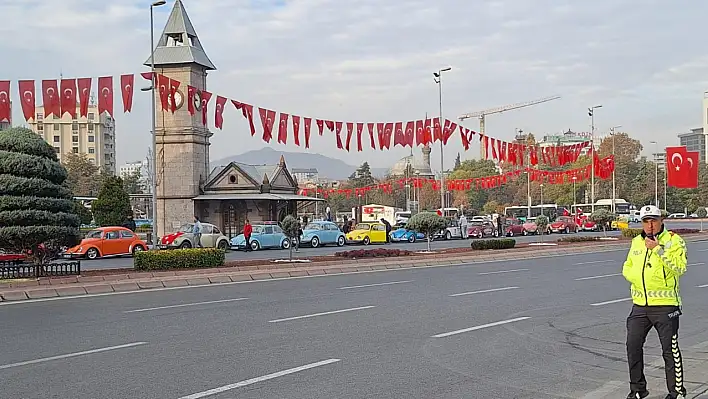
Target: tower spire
{"points": [[179, 43]]}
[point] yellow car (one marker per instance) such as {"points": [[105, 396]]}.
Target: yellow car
{"points": [[367, 233], [620, 224]]}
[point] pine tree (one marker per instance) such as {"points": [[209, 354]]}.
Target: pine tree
{"points": [[112, 206]]}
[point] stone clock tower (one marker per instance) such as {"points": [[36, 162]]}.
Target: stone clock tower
{"points": [[182, 140]]}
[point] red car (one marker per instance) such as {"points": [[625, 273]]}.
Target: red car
{"points": [[476, 229], [563, 224], [514, 228]]}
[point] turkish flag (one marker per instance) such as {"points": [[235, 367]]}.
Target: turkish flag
{"points": [[68, 97], [381, 135], [437, 130], [218, 113], [84, 86], [50, 98], [5, 113], [359, 131], [398, 134], [681, 167], [27, 95], [308, 130], [163, 85], [419, 132], [409, 134], [267, 119], [147, 75], [127, 83], [247, 112], [338, 126], [105, 95], [350, 133], [427, 132], [191, 91], [283, 128], [370, 128], [206, 96], [296, 129], [320, 125], [174, 86]]}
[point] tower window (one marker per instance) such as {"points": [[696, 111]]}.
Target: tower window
{"points": [[175, 40]]}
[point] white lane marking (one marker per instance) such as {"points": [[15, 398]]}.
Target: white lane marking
{"points": [[321, 314], [597, 261], [610, 302], [594, 277], [485, 291], [604, 390], [374, 285], [696, 264], [468, 264], [503, 271], [184, 305], [702, 250], [464, 330], [703, 286], [251, 381], [68, 355]]}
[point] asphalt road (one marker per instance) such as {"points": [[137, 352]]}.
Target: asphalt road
{"points": [[534, 328], [127, 262]]}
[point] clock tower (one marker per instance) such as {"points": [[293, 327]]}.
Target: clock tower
{"points": [[182, 164]]}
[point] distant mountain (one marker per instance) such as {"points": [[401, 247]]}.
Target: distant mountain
{"points": [[327, 167]]}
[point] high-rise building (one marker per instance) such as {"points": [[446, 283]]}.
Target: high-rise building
{"points": [[704, 130], [139, 167], [93, 135], [695, 140], [5, 124]]}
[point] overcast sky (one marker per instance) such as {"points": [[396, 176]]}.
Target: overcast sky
{"points": [[372, 60]]}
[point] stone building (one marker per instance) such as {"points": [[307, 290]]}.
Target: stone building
{"points": [[412, 166], [227, 195]]}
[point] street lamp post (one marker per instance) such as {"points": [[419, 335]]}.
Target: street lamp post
{"points": [[437, 77], [656, 173], [153, 111], [591, 114], [541, 186], [575, 197], [614, 192]]}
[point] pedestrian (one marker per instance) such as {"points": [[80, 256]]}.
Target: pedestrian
{"points": [[388, 229], [654, 265], [197, 232], [130, 223], [298, 238], [500, 226], [463, 226], [328, 213], [247, 231]]}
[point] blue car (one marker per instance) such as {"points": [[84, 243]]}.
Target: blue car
{"points": [[404, 234], [316, 234], [264, 236]]}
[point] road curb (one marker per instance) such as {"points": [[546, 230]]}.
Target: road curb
{"points": [[136, 282]]}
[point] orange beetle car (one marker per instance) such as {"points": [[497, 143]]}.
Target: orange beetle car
{"points": [[107, 241]]}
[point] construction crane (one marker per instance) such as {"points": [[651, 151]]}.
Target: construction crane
{"points": [[498, 110]]}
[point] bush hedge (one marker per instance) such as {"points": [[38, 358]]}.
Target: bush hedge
{"points": [[631, 233], [578, 239], [372, 253], [29, 166], [685, 231], [192, 258], [504, 243]]}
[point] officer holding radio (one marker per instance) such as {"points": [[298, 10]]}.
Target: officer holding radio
{"points": [[654, 265]]}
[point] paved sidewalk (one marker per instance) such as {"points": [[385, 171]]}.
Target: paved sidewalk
{"points": [[134, 281]]}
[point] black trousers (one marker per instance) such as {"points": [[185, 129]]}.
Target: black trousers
{"points": [[665, 319]]}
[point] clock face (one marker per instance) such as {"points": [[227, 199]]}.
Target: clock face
{"points": [[198, 100], [179, 99]]}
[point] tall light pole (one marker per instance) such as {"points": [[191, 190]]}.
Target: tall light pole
{"points": [[656, 173], [614, 192], [591, 114], [437, 77], [575, 198], [151, 89], [541, 186]]}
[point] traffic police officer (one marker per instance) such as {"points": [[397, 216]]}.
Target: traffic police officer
{"points": [[654, 265]]}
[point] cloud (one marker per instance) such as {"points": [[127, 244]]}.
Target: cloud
{"points": [[373, 61]]}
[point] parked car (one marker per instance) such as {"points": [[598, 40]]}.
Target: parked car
{"points": [[106, 241], [267, 235], [677, 216], [621, 223], [563, 224], [480, 229], [322, 233], [403, 234], [453, 230], [184, 238], [530, 226], [367, 233], [514, 227], [589, 225]]}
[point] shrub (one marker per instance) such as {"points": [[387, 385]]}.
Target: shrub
{"points": [[602, 217], [631, 233], [504, 243], [192, 258], [36, 211], [372, 253], [427, 223], [290, 227], [83, 212], [685, 231], [578, 239], [112, 205]]}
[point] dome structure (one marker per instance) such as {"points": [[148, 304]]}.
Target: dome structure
{"points": [[420, 166]]}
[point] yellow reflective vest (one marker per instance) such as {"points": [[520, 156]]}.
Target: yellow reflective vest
{"points": [[654, 274]]}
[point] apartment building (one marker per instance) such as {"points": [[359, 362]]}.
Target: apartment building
{"points": [[94, 135], [140, 167]]}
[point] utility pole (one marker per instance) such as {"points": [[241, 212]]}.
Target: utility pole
{"points": [[591, 114], [437, 77]]}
